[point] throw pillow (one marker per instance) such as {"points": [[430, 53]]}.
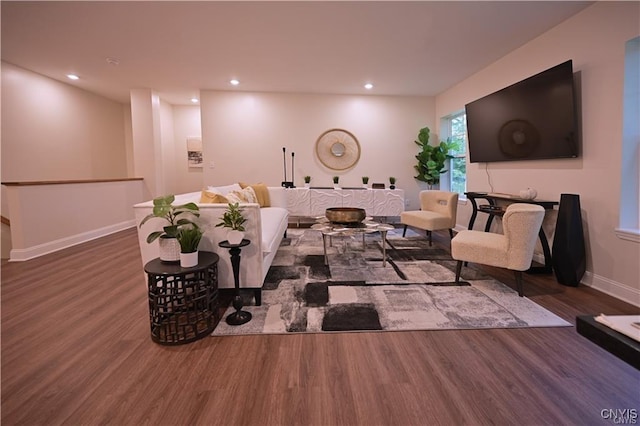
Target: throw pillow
{"points": [[246, 195], [261, 191], [208, 197]]}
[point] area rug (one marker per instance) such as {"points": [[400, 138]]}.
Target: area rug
{"points": [[416, 290]]}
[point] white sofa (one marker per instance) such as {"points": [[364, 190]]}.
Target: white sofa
{"points": [[265, 228]]}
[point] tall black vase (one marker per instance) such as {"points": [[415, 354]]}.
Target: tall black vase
{"points": [[569, 258]]}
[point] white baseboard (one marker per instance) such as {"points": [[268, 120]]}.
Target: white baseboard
{"points": [[612, 288], [18, 255]]}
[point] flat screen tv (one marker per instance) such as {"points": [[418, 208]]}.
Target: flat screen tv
{"points": [[529, 120]]}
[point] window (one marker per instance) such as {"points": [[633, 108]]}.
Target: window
{"points": [[454, 129], [629, 228]]}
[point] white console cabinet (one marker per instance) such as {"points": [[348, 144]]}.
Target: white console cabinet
{"points": [[314, 201]]}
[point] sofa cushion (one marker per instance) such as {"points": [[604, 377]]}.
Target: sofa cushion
{"points": [[274, 223], [262, 193]]}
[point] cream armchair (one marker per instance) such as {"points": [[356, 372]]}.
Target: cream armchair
{"points": [[511, 250], [438, 210]]}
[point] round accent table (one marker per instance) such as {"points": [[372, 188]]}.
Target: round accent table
{"points": [[183, 302], [238, 317]]}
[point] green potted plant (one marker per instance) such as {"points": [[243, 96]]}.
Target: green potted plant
{"points": [[307, 181], [233, 220], [431, 159], [365, 181], [175, 216], [392, 182], [336, 179], [189, 237]]}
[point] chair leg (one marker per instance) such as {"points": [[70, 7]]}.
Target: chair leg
{"points": [[519, 283], [404, 231], [458, 270], [429, 236]]}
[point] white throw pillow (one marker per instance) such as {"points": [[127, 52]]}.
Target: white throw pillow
{"points": [[247, 195]]}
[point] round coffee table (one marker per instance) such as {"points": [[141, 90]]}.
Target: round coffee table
{"points": [[367, 226]]}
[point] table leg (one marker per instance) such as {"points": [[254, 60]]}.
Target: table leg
{"points": [[384, 248], [474, 213], [239, 316], [324, 247]]}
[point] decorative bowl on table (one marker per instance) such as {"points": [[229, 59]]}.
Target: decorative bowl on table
{"points": [[345, 215]]}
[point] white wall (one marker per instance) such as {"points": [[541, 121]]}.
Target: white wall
{"points": [[595, 40], [244, 133], [55, 131], [186, 123]]}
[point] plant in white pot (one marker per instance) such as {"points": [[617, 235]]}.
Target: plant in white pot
{"points": [[189, 237], [365, 181], [336, 184], [163, 208], [234, 221], [307, 181]]}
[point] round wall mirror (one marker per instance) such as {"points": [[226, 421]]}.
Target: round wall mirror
{"points": [[338, 149]]}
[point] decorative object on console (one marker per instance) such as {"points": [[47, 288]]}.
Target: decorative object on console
{"points": [[336, 179], [285, 182], [307, 181], [392, 182], [528, 194], [431, 159], [189, 237], [345, 215], [365, 181], [163, 208], [233, 219], [377, 185], [338, 149]]}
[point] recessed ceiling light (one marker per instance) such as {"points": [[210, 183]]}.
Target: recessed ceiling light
{"points": [[234, 82], [194, 100], [73, 77], [368, 86]]}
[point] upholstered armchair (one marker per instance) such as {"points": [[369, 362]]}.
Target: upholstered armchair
{"points": [[513, 249], [438, 210]]}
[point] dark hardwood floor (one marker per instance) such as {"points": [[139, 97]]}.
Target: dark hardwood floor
{"points": [[76, 350]]}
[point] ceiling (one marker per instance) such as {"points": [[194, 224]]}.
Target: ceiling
{"points": [[178, 47]]}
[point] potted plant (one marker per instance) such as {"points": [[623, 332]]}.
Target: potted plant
{"points": [[189, 237], [365, 181], [392, 182], [336, 179], [431, 160], [163, 208], [234, 221], [307, 181]]}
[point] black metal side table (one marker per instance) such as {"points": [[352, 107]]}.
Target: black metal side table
{"points": [[183, 302], [239, 316]]}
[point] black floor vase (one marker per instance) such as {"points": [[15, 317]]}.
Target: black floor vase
{"points": [[569, 258]]}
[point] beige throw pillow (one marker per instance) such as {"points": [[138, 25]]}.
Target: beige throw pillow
{"points": [[208, 197], [261, 191]]}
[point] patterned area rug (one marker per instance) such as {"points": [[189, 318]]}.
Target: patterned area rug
{"points": [[355, 292]]}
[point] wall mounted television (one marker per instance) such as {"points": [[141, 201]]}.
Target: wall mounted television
{"points": [[533, 119]]}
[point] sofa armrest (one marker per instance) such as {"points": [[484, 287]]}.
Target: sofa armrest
{"points": [[210, 214]]}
